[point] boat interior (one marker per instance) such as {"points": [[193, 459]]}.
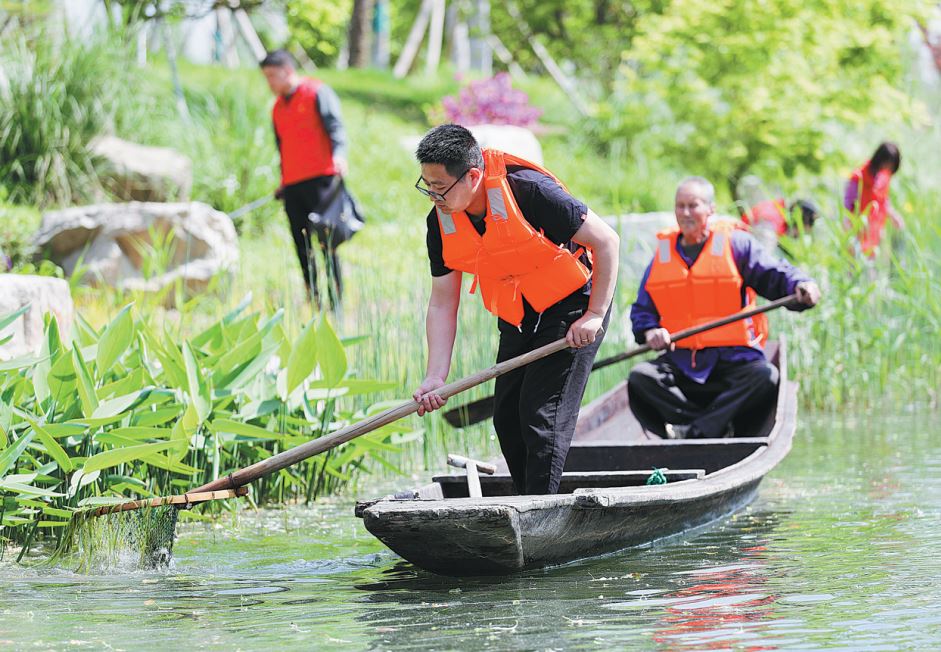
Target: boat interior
{"points": [[610, 449]]}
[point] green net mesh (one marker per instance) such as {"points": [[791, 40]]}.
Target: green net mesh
{"points": [[135, 539]]}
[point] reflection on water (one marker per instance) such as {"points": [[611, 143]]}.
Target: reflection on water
{"points": [[840, 550]]}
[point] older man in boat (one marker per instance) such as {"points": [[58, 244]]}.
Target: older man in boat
{"points": [[717, 383], [514, 227]]}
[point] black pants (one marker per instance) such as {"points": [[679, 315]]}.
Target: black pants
{"points": [[740, 393], [300, 200], [536, 406]]}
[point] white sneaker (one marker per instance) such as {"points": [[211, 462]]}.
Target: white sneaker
{"points": [[677, 430]]}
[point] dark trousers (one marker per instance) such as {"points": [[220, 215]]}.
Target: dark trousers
{"points": [[740, 393], [300, 200], [536, 406]]}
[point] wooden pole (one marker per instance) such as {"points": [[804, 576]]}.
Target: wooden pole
{"points": [[551, 66], [413, 42], [230, 56], [248, 32], [297, 454], [435, 36], [481, 55], [506, 57]]}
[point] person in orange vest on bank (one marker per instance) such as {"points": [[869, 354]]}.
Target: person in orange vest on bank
{"points": [[867, 195], [543, 263], [717, 382], [312, 143]]}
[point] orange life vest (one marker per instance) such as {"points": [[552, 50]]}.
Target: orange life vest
{"points": [[709, 290], [511, 260], [306, 150], [872, 204]]}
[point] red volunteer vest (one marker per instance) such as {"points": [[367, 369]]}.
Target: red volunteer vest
{"points": [[872, 204], [306, 150]]}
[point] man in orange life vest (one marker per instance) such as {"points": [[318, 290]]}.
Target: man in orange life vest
{"points": [[513, 226], [312, 143], [699, 273]]}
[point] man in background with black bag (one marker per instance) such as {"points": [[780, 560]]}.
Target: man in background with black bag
{"points": [[312, 144]]}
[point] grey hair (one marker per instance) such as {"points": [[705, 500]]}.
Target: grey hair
{"points": [[708, 189]]}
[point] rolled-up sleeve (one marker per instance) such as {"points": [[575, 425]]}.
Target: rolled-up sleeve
{"points": [[644, 314]]}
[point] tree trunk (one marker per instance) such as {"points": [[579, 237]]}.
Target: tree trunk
{"points": [[360, 29]]}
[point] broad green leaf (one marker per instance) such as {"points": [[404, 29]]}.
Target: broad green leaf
{"points": [[330, 354], [103, 501], [95, 422], [50, 347], [116, 406], [142, 432], [29, 490], [197, 385], [52, 447], [62, 381], [6, 320], [115, 340], [303, 358], [55, 511], [130, 383], [81, 479], [51, 524], [183, 431], [357, 385], [158, 417], [164, 462], [12, 453], [108, 459], [245, 429], [256, 366], [84, 384], [20, 363]]}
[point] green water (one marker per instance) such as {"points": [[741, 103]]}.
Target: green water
{"points": [[840, 550]]}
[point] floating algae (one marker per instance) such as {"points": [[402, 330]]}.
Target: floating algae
{"points": [[136, 539]]}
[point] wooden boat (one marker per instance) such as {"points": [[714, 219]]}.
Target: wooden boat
{"points": [[604, 502]]}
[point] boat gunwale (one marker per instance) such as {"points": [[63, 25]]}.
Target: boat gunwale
{"points": [[750, 469]]}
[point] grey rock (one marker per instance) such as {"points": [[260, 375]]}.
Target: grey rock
{"points": [[130, 246], [138, 172], [43, 294]]}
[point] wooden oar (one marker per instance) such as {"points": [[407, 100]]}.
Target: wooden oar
{"points": [[229, 485], [482, 408]]}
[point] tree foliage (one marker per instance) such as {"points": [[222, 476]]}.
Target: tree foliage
{"points": [[727, 88]]}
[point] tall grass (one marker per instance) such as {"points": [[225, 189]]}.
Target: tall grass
{"points": [[59, 95]]}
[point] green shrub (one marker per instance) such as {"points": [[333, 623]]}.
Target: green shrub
{"points": [[59, 95]]}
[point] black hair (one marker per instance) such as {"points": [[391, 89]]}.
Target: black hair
{"points": [[809, 211], [452, 146], [277, 59], [886, 153]]}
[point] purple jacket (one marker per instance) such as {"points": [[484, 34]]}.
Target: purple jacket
{"points": [[771, 277]]}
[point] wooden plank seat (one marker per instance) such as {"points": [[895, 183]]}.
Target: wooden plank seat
{"points": [[501, 484]]}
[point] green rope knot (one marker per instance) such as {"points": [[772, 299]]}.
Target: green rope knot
{"points": [[657, 477]]}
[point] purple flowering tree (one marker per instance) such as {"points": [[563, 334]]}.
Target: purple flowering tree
{"points": [[491, 101]]}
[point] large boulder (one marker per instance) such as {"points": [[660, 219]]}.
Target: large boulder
{"points": [[140, 173], [140, 246], [507, 138], [518, 141], [44, 295]]}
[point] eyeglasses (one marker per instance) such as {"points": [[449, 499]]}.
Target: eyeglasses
{"points": [[439, 196]]}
